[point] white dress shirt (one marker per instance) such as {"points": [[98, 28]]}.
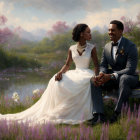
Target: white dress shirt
{"points": [[115, 48], [114, 51]]}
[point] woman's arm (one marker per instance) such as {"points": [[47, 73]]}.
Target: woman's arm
{"points": [[58, 77], [95, 61]]}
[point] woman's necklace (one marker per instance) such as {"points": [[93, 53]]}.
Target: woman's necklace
{"points": [[81, 48]]}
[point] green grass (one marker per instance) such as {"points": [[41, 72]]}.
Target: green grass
{"points": [[120, 130], [10, 59]]}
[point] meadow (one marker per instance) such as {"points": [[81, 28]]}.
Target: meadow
{"points": [[51, 55], [127, 127]]}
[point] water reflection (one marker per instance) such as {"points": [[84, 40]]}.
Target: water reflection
{"points": [[23, 83]]}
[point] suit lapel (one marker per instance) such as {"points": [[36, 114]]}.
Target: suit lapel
{"points": [[109, 53], [120, 47]]}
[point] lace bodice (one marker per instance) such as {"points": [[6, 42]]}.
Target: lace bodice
{"points": [[83, 60], [63, 102]]}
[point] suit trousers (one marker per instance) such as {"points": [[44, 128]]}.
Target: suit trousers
{"points": [[124, 84]]}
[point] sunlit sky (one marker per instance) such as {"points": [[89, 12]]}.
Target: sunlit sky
{"points": [[43, 14]]}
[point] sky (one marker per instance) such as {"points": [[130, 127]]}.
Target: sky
{"points": [[37, 15]]}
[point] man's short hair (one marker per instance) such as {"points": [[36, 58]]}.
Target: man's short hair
{"points": [[118, 23]]}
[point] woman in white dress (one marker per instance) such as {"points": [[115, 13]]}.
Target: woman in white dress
{"points": [[67, 98]]}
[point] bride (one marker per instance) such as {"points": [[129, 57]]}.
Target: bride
{"points": [[67, 98]]}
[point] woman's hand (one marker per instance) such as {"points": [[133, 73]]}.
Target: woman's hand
{"points": [[58, 77], [98, 80]]}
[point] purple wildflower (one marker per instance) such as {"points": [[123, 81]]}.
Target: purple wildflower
{"points": [[105, 132], [129, 133]]}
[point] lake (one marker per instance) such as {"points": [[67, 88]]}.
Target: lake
{"points": [[24, 83]]}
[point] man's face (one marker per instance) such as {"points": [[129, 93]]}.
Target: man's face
{"points": [[114, 32]]}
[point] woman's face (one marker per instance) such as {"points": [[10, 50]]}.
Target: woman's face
{"points": [[86, 35]]}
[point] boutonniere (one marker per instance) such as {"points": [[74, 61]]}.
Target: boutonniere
{"points": [[121, 51]]}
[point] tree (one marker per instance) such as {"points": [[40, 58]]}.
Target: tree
{"points": [[5, 33], [132, 29]]}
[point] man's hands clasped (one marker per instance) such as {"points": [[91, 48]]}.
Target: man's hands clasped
{"points": [[101, 79]]}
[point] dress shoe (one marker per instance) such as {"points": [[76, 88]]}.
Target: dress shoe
{"points": [[102, 118], [115, 117], [94, 120], [97, 118]]}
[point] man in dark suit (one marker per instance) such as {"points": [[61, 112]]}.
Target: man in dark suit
{"points": [[117, 70]]}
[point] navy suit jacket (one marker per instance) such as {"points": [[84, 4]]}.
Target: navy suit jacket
{"points": [[126, 58]]}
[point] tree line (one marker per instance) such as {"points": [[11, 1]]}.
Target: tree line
{"points": [[52, 52]]}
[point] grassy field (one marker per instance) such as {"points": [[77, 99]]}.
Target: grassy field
{"points": [[127, 127]]}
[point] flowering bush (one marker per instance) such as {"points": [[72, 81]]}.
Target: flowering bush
{"points": [[5, 33], [37, 94], [15, 97], [36, 91]]}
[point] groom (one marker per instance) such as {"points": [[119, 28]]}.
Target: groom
{"points": [[121, 55]]}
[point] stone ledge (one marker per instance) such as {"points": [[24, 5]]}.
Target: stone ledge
{"points": [[135, 93]]}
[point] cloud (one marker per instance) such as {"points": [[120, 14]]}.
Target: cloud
{"points": [[6, 8], [60, 6], [125, 0], [34, 18], [93, 17], [1, 6], [32, 25], [104, 17]]}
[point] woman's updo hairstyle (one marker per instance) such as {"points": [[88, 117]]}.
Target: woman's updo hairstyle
{"points": [[77, 31]]}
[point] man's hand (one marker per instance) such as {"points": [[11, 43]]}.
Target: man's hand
{"points": [[58, 77], [101, 79], [96, 80], [105, 78]]}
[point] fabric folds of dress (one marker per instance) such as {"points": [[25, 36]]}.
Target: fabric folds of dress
{"points": [[66, 101]]}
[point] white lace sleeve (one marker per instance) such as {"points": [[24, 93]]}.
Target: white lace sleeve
{"points": [[72, 47], [91, 46]]}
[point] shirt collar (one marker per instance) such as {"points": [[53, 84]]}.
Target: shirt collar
{"points": [[119, 41]]}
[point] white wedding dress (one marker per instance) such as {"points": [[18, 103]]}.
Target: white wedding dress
{"points": [[67, 101]]}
